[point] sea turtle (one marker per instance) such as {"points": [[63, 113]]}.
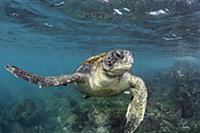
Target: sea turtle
{"points": [[107, 74]]}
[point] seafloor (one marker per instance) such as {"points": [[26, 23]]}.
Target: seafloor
{"points": [[173, 107]]}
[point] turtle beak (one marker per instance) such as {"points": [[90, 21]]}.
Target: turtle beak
{"points": [[130, 59]]}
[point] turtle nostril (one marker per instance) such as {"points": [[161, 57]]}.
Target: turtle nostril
{"points": [[110, 65], [122, 57]]}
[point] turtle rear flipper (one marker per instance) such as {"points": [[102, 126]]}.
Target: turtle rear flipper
{"points": [[44, 81]]}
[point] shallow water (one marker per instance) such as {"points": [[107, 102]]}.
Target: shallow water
{"points": [[52, 38]]}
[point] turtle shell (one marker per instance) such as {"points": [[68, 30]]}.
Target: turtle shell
{"points": [[90, 63]]}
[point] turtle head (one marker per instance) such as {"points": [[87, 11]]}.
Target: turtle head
{"points": [[117, 62]]}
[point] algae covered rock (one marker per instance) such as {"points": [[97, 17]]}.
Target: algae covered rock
{"points": [[91, 115], [27, 113], [17, 128], [173, 104], [99, 118], [108, 114]]}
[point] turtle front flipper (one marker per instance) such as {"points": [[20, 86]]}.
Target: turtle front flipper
{"points": [[43, 81], [137, 106]]}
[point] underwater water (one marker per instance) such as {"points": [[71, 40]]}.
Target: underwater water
{"points": [[53, 37]]}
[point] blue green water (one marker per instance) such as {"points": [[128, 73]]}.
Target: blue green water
{"points": [[43, 37]]}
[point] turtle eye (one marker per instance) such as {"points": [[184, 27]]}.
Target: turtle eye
{"points": [[117, 54]]}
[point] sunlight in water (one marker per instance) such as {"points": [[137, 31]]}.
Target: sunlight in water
{"points": [[55, 37]]}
